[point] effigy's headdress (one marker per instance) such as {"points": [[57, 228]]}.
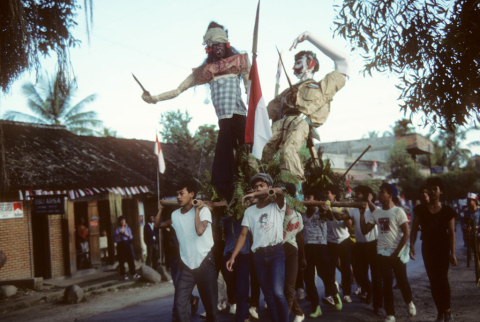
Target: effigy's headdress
{"points": [[215, 36]]}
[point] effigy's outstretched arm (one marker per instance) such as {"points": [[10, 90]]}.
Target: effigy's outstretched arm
{"points": [[186, 84], [342, 61]]}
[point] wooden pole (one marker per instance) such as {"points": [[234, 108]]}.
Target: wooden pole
{"points": [[361, 155], [346, 204]]}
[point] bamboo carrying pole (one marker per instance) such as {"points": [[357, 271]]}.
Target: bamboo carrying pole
{"points": [[346, 204], [361, 155]]}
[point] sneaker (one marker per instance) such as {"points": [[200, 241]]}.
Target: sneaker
{"points": [[253, 312], [317, 313], [136, 276], [203, 315], [233, 309], [412, 311], [329, 301], [300, 294], [347, 299], [222, 305], [125, 277], [358, 291], [338, 302], [389, 318], [447, 316], [299, 318]]}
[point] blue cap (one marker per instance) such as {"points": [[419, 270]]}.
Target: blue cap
{"points": [[394, 190]]}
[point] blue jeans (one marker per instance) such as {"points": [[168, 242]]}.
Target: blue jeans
{"points": [[270, 267], [238, 283]]}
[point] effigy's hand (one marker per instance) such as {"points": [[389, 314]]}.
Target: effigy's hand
{"points": [[148, 98], [299, 39]]}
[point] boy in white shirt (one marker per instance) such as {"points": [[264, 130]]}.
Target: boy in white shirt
{"points": [[193, 227], [365, 250], [338, 241], [265, 221], [393, 234]]}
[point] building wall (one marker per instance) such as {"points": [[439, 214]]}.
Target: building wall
{"points": [[14, 242], [379, 151], [57, 245]]}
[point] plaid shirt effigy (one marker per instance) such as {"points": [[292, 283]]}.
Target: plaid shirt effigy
{"points": [[227, 96]]}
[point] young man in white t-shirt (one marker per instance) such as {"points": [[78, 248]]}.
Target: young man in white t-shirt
{"points": [[393, 235], [338, 241], [365, 253], [193, 227], [265, 221]]}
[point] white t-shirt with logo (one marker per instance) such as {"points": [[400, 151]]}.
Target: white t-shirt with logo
{"points": [[359, 237], [388, 222], [337, 231], [292, 225], [193, 248], [265, 224]]}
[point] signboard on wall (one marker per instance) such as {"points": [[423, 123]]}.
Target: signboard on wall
{"points": [[11, 210], [49, 205]]}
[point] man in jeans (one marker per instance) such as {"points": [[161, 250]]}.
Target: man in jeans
{"points": [[365, 250], [338, 241], [316, 254], [193, 226], [265, 221], [393, 235]]}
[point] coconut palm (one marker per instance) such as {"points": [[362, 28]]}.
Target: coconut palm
{"points": [[51, 103]]}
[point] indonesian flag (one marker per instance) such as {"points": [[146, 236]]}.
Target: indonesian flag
{"points": [[258, 129], [158, 151], [374, 166]]}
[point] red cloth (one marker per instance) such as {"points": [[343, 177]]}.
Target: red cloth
{"points": [[237, 64]]}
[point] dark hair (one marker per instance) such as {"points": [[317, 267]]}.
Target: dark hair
{"points": [[364, 190], [390, 189], [434, 181], [374, 197], [396, 201], [309, 53], [119, 219], [190, 185], [211, 57], [334, 190], [291, 189], [317, 195]]}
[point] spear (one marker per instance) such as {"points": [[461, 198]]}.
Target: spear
{"points": [[138, 82]]}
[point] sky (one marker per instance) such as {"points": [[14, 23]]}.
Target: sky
{"points": [[160, 41]]}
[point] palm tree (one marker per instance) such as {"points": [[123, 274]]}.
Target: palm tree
{"points": [[107, 132], [371, 135], [401, 128], [51, 102]]}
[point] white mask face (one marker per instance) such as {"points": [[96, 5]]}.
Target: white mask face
{"points": [[301, 69]]}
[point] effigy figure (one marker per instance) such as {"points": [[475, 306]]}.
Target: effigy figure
{"points": [[223, 70], [298, 110]]}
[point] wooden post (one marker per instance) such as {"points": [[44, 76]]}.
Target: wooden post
{"points": [[94, 231], [72, 250]]}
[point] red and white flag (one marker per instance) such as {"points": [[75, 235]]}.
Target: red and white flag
{"points": [[258, 130], [374, 166], [158, 151]]}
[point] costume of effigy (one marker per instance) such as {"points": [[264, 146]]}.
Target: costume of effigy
{"points": [[222, 69], [295, 115]]}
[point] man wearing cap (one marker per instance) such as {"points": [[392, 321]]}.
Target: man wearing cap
{"points": [[297, 111], [223, 70], [393, 235], [473, 211], [265, 221]]}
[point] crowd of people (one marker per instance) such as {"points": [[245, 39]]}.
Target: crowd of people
{"points": [[278, 250]]}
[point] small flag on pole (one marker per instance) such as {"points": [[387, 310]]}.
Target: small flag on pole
{"points": [[158, 151], [374, 170]]}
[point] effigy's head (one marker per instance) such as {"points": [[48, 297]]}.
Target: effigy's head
{"points": [[216, 41], [306, 64]]}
